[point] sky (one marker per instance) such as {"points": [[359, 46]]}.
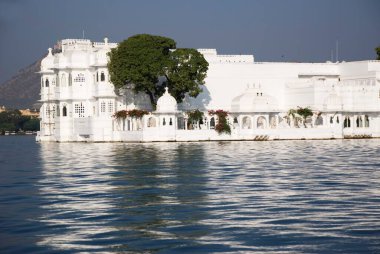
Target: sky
{"points": [[271, 30]]}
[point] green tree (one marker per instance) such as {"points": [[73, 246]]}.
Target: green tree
{"points": [[33, 124], [6, 127], [13, 119], [378, 52], [186, 73], [143, 60], [304, 113], [195, 117]]}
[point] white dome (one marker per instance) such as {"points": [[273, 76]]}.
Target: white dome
{"points": [[166, 103], [333, 102], [48, 61], [253, 100]]}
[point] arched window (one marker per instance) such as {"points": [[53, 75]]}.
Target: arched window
{"points": [[102, 76], [331, 120], [151, 122], [319, 120], [47, 82], [64, 111], [70, 79], [170, 121], [212, 123], [247, 124], [235, 120], [53, 111], [347, 122], [97, 76], [180, 123], [63, 80], [359, 122], [273, 122], [261, 122], [366, 121], [164, 121]]}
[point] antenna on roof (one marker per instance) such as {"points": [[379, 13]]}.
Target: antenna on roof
{"points": [[337, 50]]}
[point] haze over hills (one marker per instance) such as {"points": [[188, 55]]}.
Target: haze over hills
{"points": [[23, 89]]}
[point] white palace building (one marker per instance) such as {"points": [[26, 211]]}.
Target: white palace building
{"points": [[79, 101]]}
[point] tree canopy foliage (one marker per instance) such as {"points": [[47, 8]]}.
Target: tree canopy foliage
{"points": [[13, 120], [150, 63], [195, 115], [378, 52], [304, 112], [300, 114], [186, 72], [222, 125]]}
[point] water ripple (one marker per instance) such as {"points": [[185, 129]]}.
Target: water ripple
{"points": [[225, 197]]}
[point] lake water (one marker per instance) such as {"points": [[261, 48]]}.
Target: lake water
{"points": [[207, 197]]}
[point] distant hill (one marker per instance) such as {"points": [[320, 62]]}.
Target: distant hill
{"points": [[23, 89]]}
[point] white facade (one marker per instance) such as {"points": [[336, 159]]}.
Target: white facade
{"points": [[79, 101]]}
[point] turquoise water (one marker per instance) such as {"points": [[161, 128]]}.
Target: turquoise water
{"points": [[207, 197]]}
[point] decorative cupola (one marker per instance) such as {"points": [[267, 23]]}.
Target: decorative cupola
{"points": [[254, 100], [166, 103], [166, 114], [48, 62]]}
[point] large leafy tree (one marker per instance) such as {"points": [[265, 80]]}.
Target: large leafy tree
{"points": [[186, 73], [143, 60], [378, 52]]}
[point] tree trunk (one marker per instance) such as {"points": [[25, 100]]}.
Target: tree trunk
{"points": [[152, 99]]}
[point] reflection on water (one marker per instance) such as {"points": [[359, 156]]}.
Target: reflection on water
{"points": [[237, 197], [129, 197], [77, 187]]}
